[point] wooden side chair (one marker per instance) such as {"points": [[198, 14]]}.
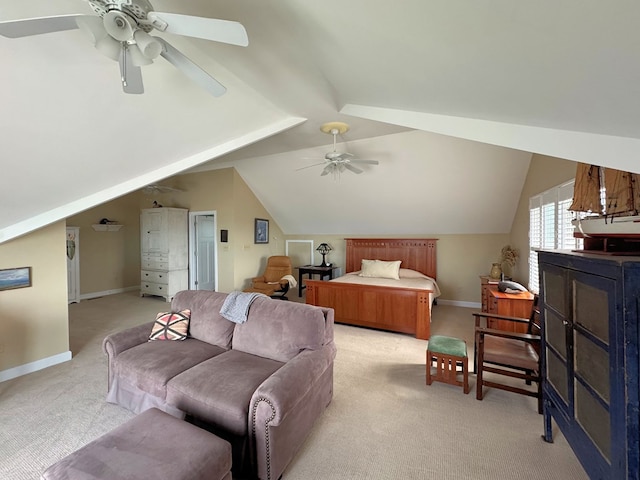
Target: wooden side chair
{"points": [[515, 355]]}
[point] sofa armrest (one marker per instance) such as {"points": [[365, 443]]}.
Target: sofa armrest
{"points": [[285, 406], [288, 385], [118, 342]]}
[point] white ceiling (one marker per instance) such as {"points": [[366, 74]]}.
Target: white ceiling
{"points": [[558, 78]]}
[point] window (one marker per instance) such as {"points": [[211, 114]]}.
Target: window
{"points": [[550, 226]]}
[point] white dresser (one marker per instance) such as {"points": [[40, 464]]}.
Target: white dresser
{"points": [[164, 250]]}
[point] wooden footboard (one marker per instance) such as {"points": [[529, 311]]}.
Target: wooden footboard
{"points": [[404, 310]]}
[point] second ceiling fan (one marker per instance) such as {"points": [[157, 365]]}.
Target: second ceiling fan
{"points": [[337, 162], [121, 32]]}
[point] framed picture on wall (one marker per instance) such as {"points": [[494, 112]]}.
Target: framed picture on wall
{"points": [[11, 278], [261, 231]]}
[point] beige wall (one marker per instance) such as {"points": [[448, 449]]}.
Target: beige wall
{"points": [[109, 260], [544, 173], [34, 321]]}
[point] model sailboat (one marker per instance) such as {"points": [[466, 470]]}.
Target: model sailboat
{"points": [[609, 204]]}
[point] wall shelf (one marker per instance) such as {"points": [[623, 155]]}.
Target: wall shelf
{"points": [[106, 227]]}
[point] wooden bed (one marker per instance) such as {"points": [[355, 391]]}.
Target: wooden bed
{"points": [[404, 310]]}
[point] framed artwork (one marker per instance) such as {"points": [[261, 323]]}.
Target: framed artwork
{"points": [[11, 278], [261, 231]]}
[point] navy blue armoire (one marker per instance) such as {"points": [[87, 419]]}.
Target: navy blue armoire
{"points": [[590, 309]]}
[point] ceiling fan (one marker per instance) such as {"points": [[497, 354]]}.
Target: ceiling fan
{"points": [[334, 161], [121, 32], [155, 189]]}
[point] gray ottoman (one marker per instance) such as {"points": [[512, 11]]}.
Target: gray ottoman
{"points": [[153, 445]]}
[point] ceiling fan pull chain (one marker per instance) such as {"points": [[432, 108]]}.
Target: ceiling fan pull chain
{"points": [[124, 64]]}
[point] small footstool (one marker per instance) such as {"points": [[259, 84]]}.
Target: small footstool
{"points": [[153, 445], [448, 353]]}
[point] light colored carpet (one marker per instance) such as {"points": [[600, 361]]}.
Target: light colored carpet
{"points": [[383, 423]]}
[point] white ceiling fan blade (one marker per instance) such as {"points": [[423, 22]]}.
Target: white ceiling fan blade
{"points": [[130, 75], [155, 189], [225, 31], [328, 169], [368, 162], [190, 69], [309, 166], [350, 167], [38, 26]]}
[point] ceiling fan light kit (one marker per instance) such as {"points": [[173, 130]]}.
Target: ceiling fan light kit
{"points": [[337, 162], [121, 32]]}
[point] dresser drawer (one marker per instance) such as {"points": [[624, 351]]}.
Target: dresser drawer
{"points": [[155, 265], [155, 257], [155, 277], [154, 288]]}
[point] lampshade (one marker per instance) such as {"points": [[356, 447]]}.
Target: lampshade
{"points": [[324, 248], [92, 27], [137, 57], [149, 46], [109, 47]]}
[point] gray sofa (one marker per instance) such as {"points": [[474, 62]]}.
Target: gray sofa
{"points": [[260, 384]]}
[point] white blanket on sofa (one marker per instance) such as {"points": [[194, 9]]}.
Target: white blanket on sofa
{"points": [[236, 306]]}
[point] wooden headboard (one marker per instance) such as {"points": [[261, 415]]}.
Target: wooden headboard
{"points": [[416, 253]]}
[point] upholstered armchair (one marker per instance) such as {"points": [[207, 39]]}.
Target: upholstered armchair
{"points": [[272, 282]]}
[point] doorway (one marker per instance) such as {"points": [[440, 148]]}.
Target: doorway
{"points": [[203, 271], [73, 264]]}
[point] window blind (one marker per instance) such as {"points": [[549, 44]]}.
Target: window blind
{"points": [[550, 226]]}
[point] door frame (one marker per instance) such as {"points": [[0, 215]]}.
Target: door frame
{"points": [[73, 266], [192, 246]]}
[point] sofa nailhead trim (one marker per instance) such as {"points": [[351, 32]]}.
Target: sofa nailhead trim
{"points": [[266, 428]]}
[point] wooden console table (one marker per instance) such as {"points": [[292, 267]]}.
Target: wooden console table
{"points": [[312, 270]]}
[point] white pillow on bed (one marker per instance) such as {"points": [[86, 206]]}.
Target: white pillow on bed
{"points": [[407, 273], [380, 269]]}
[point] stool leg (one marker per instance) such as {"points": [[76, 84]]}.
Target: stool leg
{"points": [[465, 374], [429, 368]]}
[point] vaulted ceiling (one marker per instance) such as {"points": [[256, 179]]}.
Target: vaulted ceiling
{"points": [[484, 84]]}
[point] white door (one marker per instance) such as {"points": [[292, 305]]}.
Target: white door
{"points": [[73, 264], [203, 251]]}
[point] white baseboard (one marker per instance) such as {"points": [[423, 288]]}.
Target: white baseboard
{"points": [[457, 303], [88, 296], [34, 366]]}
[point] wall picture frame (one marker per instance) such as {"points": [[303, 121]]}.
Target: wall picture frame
{"points": [[11, 278], [261, 234]]}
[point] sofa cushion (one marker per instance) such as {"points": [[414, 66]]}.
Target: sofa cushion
{"points": [[151, 365], [219, 390], [280, 330], [206, 322]]}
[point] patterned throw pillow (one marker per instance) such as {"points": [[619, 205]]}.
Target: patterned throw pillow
{"points": [[171, 326]]}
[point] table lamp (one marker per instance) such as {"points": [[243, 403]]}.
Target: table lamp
{"points": [[324, 248]]}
